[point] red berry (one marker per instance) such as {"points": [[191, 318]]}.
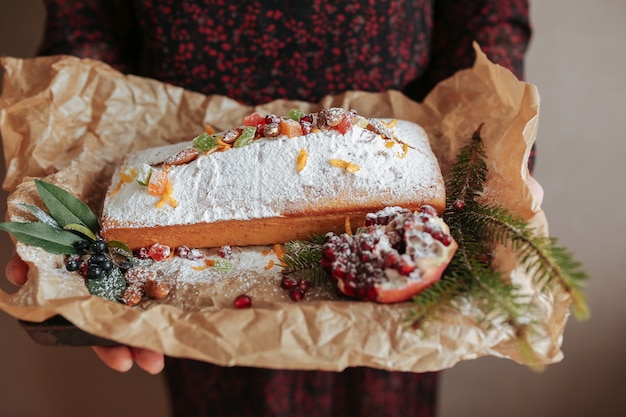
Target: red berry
{"points": [[243, 301], [428, 210]]}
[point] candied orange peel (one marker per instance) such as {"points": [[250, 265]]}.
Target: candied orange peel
{"points": [[301, 159], [348, 166]]}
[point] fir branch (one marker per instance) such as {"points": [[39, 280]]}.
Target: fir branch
{"points": [[302, 260], [543, 260], [428, 303], [478, 228], [469, 173]]}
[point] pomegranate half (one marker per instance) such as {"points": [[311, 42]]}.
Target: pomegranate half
{"points": [[397, 255]]}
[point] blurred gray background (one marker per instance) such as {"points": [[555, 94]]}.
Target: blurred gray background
{"points": [[577, 59]]}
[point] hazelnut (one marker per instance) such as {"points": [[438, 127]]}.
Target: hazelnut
{"points": [[156, 289], [133, 295]]}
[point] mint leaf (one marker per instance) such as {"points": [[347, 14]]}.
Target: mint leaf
{"points": [[110, 287], [65, 208], [43, 236]]}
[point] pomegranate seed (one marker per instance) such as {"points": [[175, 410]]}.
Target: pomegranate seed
{"points": [[306, 127], [272, 118], [188, 253], [296, 293], [83, 269], [446, 240], [406, 268], [459, 205], [225, 252], [142, 253], [304, 284], [243, 301], [428, 210], [287, 283], [437, 235]]}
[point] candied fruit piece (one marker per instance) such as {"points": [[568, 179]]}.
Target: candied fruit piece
{"points": [[301, 159], [295, 114], [254, 119], [159, 252], [245, 138], [290, 128], [204, 142], [157, 183]]}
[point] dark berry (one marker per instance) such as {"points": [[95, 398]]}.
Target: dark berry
{"points": [[106, 265], [125, 266], [73, 263], [82, 246], [97, 259], [99, 246], [94, 271]]}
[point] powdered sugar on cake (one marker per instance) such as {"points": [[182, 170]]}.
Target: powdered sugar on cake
{"points": [[263, 180]]}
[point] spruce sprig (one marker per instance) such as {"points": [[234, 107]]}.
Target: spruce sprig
{"points": [[547, 263], [302, 260], [478, 228]]}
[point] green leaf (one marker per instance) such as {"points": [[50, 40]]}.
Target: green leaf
{"points": [[120, 247], [43, 236], [41, 215], [110, 287], [75, 227], [65, 208]]}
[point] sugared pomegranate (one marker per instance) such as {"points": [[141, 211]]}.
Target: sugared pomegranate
{"points": [[398, 255]]}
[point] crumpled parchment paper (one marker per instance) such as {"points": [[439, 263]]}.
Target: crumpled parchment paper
{"points": [[70, 121]]}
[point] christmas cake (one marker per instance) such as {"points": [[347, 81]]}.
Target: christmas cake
{"points": [[273, 179]]}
